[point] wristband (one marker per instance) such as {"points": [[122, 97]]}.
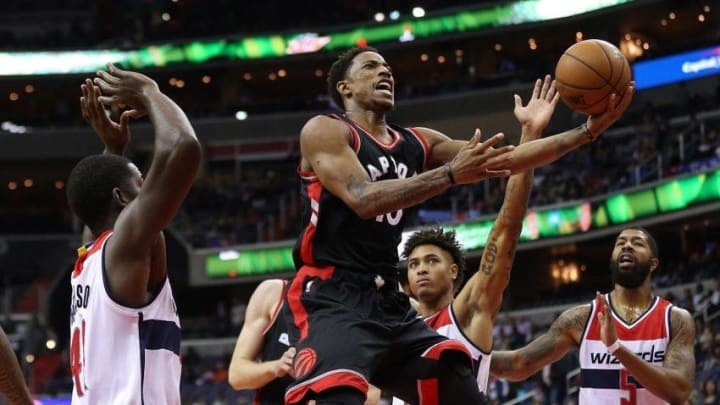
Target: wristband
{"points": [[449, 173], [614, 347], [584, 128]]}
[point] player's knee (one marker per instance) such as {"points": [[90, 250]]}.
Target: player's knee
{"points": [[456, 362]]}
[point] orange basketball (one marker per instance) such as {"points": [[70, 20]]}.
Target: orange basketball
{"points": [[588, 72]]}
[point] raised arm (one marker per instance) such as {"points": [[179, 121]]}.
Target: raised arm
{"points": [[673, 380], [137, 231], [12, 383], [245, 371], [478, 303], [326, 149], [563, 335], [542, 151], [115, 136]]}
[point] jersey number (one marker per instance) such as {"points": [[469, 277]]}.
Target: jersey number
{"points": [[392, 218], [77, 358], [627, 385]]}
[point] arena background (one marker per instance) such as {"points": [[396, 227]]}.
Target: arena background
{"points": [[249, 75]]}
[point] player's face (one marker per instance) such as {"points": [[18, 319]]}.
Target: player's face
{"points": [[370, 82], [431, 272], [632, 260]]}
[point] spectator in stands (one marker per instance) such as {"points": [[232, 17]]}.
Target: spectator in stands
{"points": [[708, 392]]}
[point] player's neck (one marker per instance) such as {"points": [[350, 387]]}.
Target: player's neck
{"points": [[636, 298], [428, 307], [373, 121]]}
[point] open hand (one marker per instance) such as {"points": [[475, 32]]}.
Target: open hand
{"points": [[123, 87], [115, 136], [597, 124], [608, 334], [539, 109], [480, 160]]}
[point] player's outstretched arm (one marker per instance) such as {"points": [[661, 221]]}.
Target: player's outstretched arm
{"points": [[176, 158], [563, 335], [325, 147], [551, 148], [245, 371], [12, 383], [673, 380], [478, 303], [542, 151]]}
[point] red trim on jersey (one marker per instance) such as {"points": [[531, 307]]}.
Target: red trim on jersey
{"points": [[386, 146], [428, 388], [299, 313], [651, 326], [306, 175], [435, 351], [94, 248], [355, 136], [332, 379], [276, 311], [314, 190], [428, 391], [425, 145]]}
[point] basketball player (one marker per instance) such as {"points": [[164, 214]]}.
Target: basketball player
{"points": [[12, 383], [359, 175], [435, 264], [262, 359], [635, 347], [125, 331]]}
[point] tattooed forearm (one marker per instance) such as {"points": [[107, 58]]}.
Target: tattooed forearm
{"points": [[378, 198], [12, 383], [489, 256]]}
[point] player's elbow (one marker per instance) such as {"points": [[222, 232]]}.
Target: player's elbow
{"points": [[681, 394], [236, 380]]}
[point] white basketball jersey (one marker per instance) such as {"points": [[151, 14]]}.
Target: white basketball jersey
{"points": [[444, 323], [604, 380], [118, 354]]}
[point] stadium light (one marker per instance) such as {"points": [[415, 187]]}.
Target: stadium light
{"points": [[418, 12], [379, 17]]}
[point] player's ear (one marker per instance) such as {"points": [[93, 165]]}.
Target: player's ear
{"points": [[454, 271], [654, 264], [118, 197], [343, 87]]}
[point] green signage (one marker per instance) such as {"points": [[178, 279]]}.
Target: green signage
{"points": [[273, 46]]}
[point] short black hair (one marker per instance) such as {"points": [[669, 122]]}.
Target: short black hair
{"points": [[444, 240], [90, 186], [339, 69], [651, 240]]}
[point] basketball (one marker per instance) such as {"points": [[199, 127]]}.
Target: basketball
{"points": [[589, 72]]}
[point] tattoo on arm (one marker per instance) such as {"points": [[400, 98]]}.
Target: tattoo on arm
{"points": [[680, 352], [490, 256], [374, 198]]}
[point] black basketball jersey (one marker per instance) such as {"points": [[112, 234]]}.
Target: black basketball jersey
{"points": [[276, 341], [335, 235]]}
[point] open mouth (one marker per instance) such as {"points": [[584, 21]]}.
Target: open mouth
{"points": [[385, 86], [626, 260]]}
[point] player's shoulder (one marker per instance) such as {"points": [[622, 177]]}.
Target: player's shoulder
{"points": [[270, 288], [573, 319], [321, 128], [681, 320]]}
